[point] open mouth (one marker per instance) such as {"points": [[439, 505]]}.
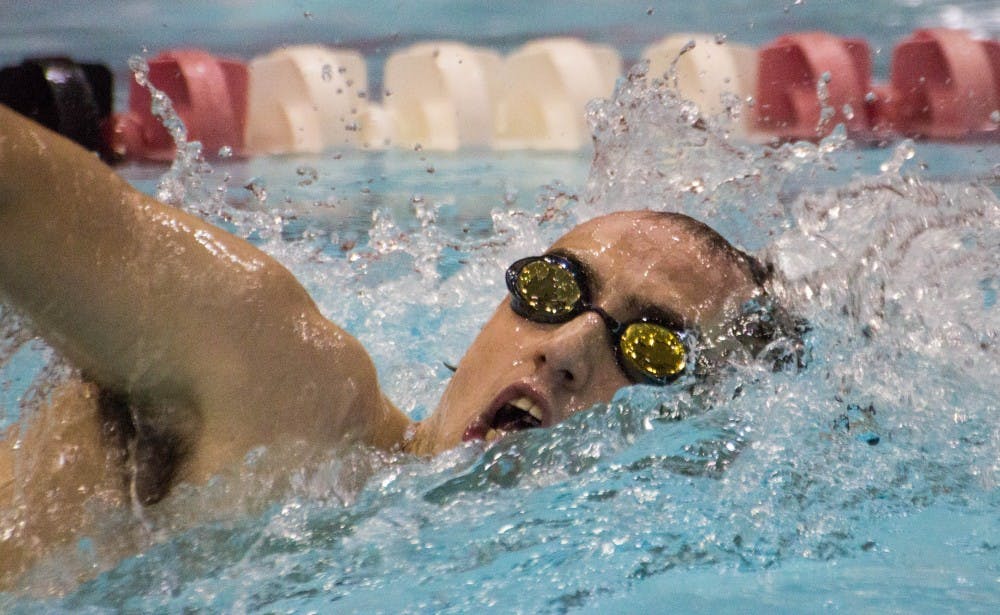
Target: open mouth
{"points": [[515, 415]]}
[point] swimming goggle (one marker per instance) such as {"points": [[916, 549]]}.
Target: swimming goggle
{"points": [[554, 289]]}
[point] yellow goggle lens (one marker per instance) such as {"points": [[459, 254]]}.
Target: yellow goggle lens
{"points": [[546, 287], [653, 350]]}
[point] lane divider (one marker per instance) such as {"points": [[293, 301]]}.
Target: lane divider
{"points": [[209, 94], [73, 99], [305, 99], [441, 95], [544, 91], [713, 74], [810, 82], [944, 85], [447, 95]]}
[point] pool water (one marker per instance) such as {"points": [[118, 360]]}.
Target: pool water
{"points": [[866, 482]]}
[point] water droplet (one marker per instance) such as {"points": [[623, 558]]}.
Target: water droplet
{"points": [[903, 152], [720, 38], [509, 196], [649, 11], [308, 175], [327, 72], [995, 117], [307, 14], [225, 152], [418, 148], [258, 187], [696, 186], [870, 97], [848, 111], [430, 168]]}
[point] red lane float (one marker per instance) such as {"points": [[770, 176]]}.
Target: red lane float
{"points": [[943, 85], [208, 93], [792, 73]]}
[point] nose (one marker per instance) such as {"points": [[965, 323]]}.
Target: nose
{"points": [[573, 350]]}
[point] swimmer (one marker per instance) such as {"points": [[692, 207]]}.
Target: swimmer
{"points": [[198, 348]]}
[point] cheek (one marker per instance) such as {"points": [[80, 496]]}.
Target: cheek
{"points": [[609, 383], [505, 339]]}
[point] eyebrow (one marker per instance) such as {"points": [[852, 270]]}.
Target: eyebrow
{"points": [[664, 315], [633, 305], [597, 283]]}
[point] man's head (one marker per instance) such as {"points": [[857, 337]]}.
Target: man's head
{"points": [[666, 267]]}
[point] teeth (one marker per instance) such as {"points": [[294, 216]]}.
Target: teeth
{"points": [[525, 404], [493, 435]]}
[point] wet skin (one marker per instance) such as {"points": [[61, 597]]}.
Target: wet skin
{"points": [[641, 265]]}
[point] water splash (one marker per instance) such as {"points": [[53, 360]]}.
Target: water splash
{"points": [[192, 183], [653, 149], [185, 183]]}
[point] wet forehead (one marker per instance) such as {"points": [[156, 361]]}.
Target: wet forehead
{"points": [[640, 259]]}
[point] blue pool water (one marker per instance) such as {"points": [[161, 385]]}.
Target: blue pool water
{"points": [[767, 501]]}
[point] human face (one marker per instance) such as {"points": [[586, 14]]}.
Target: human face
{"points": [[640, 265]]}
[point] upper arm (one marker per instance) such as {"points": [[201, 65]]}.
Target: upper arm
{"points": [[191, 322]]}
